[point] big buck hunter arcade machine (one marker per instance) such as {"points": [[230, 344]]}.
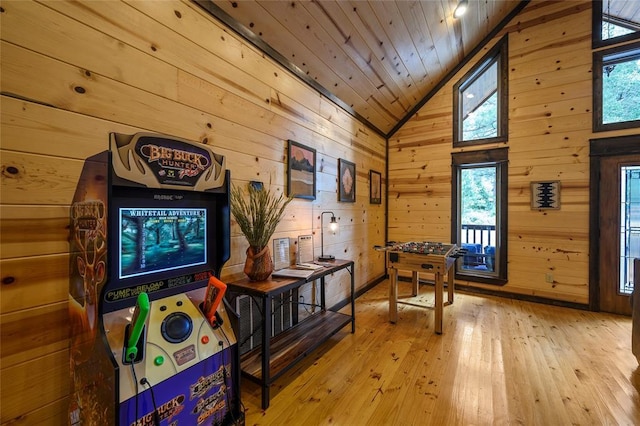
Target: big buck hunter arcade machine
{"points": [[151, 342]]}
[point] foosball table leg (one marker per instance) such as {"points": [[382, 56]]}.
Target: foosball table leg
{"points": [[439, 302], [414, 283], [450, 285], [393, 295]]}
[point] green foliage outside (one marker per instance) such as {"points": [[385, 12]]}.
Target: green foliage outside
{"points": [[621, 91], [620, 83], [483, 122], [478, 196]]}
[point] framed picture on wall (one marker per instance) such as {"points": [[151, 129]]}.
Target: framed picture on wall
{"points": [[346, 181], [375, 188], [545, 195], [301, 171]]}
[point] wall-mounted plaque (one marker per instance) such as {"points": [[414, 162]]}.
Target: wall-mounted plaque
{"points": [[545, 195]]}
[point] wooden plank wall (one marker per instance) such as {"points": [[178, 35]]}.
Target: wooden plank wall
{"points": [[74, 71], [550, 102]]}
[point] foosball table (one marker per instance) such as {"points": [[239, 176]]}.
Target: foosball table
{"points": [[436, 258]]}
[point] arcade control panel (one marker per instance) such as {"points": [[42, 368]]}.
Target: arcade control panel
{"points": [[177, 336]]}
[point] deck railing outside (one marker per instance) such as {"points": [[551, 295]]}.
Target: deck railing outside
{"points": [[485, 235], [480, 241]]}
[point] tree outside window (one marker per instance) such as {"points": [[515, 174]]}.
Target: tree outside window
{"points": [[617, 88], [480, 100], [621, 91]]}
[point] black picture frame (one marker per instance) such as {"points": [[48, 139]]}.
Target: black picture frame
{"points": [[375, 187], [301, 171], [346, 181]]}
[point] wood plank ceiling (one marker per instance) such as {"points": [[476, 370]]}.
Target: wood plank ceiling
{"points": [[376, 59]]}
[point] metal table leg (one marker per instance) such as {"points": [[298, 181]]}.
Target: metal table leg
{"points": [[266, 355]]}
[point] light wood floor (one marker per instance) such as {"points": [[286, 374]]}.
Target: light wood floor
{"points": [[498, 362]]}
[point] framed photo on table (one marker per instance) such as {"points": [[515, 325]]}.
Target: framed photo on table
{"points": [[281, 255], [375, 188], [346, 181], [301, 171]]}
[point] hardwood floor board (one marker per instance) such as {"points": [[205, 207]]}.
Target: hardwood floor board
{"points": [[500, 398], [482, 391], [566, 382], [377, 364], [569, 370], [377, 385], [321, 378], [407, 391], [600, 379], [498, 362], [615, 396], [541, 362]]}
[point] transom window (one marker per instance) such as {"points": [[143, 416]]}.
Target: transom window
{"points": [[480, 100], [615, 21]]}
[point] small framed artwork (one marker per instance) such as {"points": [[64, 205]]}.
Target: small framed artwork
{"points": [[346, 181], [375, 190], [545, 195], [301, 171]]}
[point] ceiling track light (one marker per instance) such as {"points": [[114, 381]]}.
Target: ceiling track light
{"points": [[461, 8]]}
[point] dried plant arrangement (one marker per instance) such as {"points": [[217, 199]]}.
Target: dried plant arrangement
{"points": [[258, 216]]}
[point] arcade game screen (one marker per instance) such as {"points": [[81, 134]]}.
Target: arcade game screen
{"points": [[158, 240]]}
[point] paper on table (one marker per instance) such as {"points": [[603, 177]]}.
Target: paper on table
{"points": [[293, 272], [312, 266]]}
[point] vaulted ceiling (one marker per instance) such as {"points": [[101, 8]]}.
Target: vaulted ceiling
{"points": [[377, 59]]}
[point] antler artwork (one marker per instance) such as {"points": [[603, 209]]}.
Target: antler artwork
{"points": [[83, 314]]}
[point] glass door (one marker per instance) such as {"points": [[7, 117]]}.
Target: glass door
{"points": [[618, 231], [629, 225]]}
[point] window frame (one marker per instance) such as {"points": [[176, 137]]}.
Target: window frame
{"points": [[596, 30], [497, 54], [494, 157], [621, 52]]}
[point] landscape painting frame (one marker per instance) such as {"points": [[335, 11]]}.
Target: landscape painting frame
{"points": [[301, 171]]}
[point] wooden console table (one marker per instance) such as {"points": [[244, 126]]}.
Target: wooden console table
{"points": [[265, 363]]}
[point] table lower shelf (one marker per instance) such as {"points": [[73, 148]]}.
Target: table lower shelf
{"points": [[292, 345]]}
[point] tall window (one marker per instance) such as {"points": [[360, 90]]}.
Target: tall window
{"points": [[616, 85], [479, 211], [480, 100]]}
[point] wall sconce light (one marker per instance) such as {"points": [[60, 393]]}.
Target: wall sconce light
{"points": [[461, 8], [333, 226]]}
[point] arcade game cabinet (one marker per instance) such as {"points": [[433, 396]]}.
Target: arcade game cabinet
{"points": [[151, 342]]}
